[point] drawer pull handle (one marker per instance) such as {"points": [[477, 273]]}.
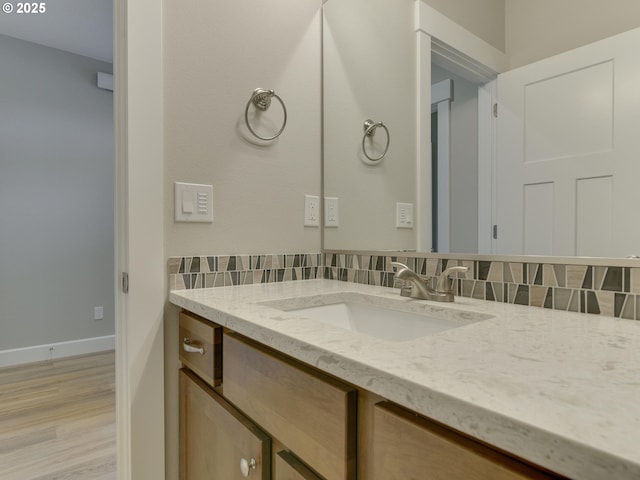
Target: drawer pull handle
{"points": [[246, 466], [186, 344]]}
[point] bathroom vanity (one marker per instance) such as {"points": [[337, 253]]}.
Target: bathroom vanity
{"points": [[496, 391]]}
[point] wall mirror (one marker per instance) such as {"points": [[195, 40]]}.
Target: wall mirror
{"points": [[554, 173]]}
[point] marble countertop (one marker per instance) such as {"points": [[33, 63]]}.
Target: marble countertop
{"points": [[557, 388]]}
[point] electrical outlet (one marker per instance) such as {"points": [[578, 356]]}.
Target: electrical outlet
{"points": [[311, 211], [98, 313], [404, 215], [331, 217]]}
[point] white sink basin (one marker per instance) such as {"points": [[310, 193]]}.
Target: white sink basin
{"points": [[360, 313]]}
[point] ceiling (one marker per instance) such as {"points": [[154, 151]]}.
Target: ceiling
{"points": [[84, 27]]}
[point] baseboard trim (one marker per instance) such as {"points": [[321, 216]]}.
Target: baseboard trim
{"points": [[39, 353]]}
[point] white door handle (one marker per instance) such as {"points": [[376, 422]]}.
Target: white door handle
{"points": [[186, 345]]}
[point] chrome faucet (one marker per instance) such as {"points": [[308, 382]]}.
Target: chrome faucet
{"points": [[418, 287]]}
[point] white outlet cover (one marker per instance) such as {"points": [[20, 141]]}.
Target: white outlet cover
{"points": [[193, 202], [331, 212], [311, 211]]}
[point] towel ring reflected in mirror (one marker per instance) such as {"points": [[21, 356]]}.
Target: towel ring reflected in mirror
{"points": [[261, 99], [370, 128]]}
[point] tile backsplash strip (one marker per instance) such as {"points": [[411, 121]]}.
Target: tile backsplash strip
{"points": [[226, 270], [606, 290], [598, 289]]}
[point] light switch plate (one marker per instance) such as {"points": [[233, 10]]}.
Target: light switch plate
{"points": [[404, 215], [331, 214], [193, 202]]}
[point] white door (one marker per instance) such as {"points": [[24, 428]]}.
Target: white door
{"points": [[568, 162]]}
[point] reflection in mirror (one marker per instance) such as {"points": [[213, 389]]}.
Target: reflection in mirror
{"points": [[567, 152], [454, 181], [561, 175], [366, 78]]}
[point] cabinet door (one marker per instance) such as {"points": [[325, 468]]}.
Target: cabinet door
{"points": [[312, 414], [288, 467], [215, 438], [408, 447]]}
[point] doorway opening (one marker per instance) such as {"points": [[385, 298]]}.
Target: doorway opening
{"points": [[57, 188]]}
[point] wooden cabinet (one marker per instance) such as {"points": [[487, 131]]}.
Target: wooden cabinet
{"points": [[200, 346], [215, 437], [223, 424], [312, 414], [288, 467], [320, 428], [406, 446]]}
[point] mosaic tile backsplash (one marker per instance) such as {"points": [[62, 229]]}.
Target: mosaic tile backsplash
{"points": [[613, 291], [606, 290], [225, 270]]}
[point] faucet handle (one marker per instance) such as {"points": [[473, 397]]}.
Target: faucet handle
{"points": [[399, 265], [402, 270], [444, 286]]}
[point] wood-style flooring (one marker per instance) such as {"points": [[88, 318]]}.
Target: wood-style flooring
{"points": [[57, 419]]}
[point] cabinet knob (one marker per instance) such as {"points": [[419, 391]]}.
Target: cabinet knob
{"points": [[246, 466], [186, 344]]}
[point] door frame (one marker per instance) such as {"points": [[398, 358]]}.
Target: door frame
{"points": [[441, 97], [487, 168], [456, 49], [139, 239]]}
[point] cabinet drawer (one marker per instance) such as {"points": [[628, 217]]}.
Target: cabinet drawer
{"points": [[408, 446], [200, 347], [215, 437], [312, 414], [289, 467]]}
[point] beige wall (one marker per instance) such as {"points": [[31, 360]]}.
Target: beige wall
{"points": [[215, 54], [532, 30], [369, 72], [484, 18], [541, 28]]}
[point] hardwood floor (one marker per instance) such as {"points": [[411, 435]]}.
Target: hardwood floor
{"points": [[57, 419]]}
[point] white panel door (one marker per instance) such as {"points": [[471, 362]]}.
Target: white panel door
{"points": [[568, 161]]}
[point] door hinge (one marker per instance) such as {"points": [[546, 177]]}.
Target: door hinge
{"points": [[494, 232], [125, 282], [495, 110]]}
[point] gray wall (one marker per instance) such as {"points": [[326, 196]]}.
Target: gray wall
{"points": [[56, 196], [463, 162]]}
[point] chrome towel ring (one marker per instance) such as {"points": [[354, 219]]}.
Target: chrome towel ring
{"points": [[369, 131], [261, 99]]}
